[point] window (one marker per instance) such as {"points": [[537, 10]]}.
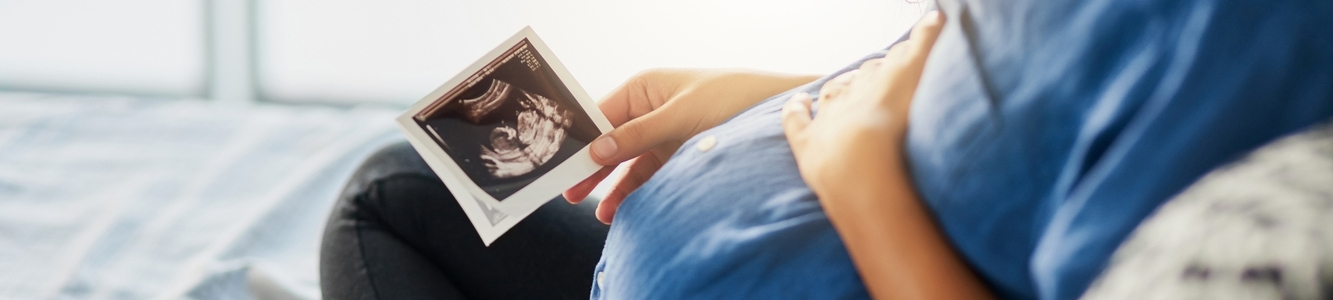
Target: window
{"points": [[345, 51], [142, 47]]}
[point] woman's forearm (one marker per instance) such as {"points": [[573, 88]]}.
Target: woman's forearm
{"points": [[894, 242], [751, 86], [851, 157], [766, 82]]}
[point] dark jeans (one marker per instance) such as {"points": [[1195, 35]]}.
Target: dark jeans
{"points": [[397, 233]]}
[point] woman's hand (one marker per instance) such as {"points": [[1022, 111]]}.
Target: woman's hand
{"points": [[851, 157], [655, 111], [862, 114]]}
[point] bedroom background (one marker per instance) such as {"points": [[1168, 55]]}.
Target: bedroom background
{"points": [[168, 149]]}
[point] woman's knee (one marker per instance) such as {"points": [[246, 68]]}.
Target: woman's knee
{"points": [[393, 159], [360, 195]]}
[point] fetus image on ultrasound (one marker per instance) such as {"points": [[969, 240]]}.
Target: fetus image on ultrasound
{"points": [[509, 123], [517, 150]]}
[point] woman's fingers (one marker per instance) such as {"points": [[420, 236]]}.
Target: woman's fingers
{"points": [[638, 172], [896, 52], [836, 86], [639, 95], [912, 52], [923, 37], [634, 109], [871, 63], [623, 103], [637, 136], [795, 118], [900, 72], [581, 190]]}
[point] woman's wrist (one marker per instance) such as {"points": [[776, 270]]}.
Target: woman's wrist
{"points": [[892, 236], [862, 181], [764, 83], [876, 155]]}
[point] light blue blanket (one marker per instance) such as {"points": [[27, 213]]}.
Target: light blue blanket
{"points": [[120, 198]]}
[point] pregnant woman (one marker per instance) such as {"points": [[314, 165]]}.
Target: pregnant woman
{"points": [[1002, 152]]}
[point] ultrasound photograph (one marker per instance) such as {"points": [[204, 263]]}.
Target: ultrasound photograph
{"points": [[510, 123]]}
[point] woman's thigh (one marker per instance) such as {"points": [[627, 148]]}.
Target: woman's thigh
{"points": [[397, 232]]}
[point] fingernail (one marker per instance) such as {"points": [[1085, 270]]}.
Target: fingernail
{"points": [[935, 15], [802, 96], [604, 147]]}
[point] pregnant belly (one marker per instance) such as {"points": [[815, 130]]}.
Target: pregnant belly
{"points": [[729, 219]]}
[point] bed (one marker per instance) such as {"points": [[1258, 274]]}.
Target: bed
{"points": [[144, 198]]}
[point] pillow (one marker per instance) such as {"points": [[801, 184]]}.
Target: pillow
{"points": [[1259, 228]]}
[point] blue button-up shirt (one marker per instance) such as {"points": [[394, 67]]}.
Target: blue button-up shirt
{"points": [[1042, 133]]}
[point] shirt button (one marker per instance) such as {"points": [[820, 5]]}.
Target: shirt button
{"points": [[706, 143], [601, 279]]}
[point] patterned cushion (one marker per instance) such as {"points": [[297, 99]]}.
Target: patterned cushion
{"points": [[1259, 228]]}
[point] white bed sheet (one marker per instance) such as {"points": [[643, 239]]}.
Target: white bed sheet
{"points": [[125, 198]]}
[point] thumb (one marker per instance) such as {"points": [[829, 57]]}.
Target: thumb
{"points": [[635, 137], [795, 118], [924, 35]]}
